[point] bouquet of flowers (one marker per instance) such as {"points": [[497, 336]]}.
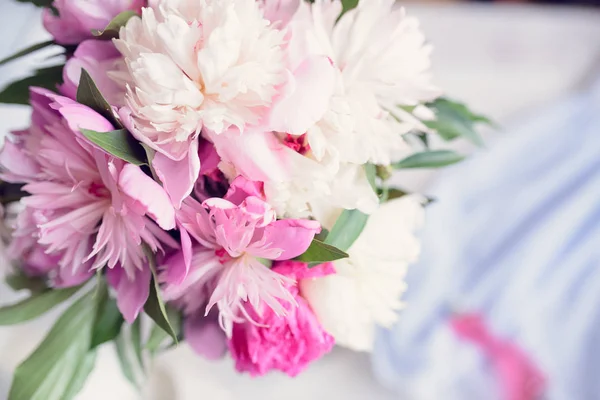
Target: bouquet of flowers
{"points": [[222, 167]]}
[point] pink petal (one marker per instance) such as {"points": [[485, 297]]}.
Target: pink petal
{"points": [[241, 188], [147, 192], [292, 236], [255, 154], [205, 336], [175, 269], [299, 270], [209, 158], [20, 165], [131, 294], [93, 56], [310, 91], [67, 278], [178, 177]]}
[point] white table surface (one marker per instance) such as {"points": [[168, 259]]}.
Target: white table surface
{"points": [[505, 61]]}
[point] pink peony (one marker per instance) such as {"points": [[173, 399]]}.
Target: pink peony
{"points": [[85, 207], [96, 57], [225, 269], [285, 343], [77, 18]]}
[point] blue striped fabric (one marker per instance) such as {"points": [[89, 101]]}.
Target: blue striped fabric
{"points": [[515, 237]]}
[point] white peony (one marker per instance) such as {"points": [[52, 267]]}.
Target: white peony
{"points": [[383, 61], [365, 293], [196, 63], [317, 194]]}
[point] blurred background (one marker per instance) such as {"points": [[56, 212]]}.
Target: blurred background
{"points": [[505, 302]]}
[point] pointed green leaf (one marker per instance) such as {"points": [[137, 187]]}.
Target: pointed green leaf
{"points": [[26, 51], [371, 171], [111, 31], [319, 252], [158, 335], [118, 143], [124, 361], [85, 368], [348, 5], [347, 229], [48, 372], [108, 323], [18, 92], [454, 120], [34, 306], [136, 340], [155, 307], [88, 94], [430, 159]]}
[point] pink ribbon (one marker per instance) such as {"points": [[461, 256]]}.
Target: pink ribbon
{"points": [[519, 377]]}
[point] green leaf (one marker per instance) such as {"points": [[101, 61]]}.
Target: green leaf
{"points": [[348, 5], [18, 92], [38, 3], [158, 335], [89, 95], [48, 372], [395, 193], [108, 323], [454, 120], [26, 51], [111, 31], [124, 361], [136, 340], [156, 338], [20, 281], [86, 366], [347, 229], [319, 252], [155, 307], [371, 171], [430, 159], [34, 306], [118, 143]]}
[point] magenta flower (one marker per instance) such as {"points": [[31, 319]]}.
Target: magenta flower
{"points": [[286, 343], [77, 18], [86, 208], [234, 234]]}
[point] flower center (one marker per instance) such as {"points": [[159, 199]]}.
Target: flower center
{"points": [[297, 143], [98, 190], [222, 255]]}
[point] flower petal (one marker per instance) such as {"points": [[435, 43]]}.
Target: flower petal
{"points": [[178, 177], [205, 336], [18, 165], [147, 192], [313, 84], [292, 236], [131, 293]]}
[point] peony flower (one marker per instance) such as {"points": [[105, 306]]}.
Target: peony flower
{"points": [[365, 292], [96, 57], [77, 18], [383, 62], [225, 269], [195, 64], [286, 343], [296, 185], [86, 208]]}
